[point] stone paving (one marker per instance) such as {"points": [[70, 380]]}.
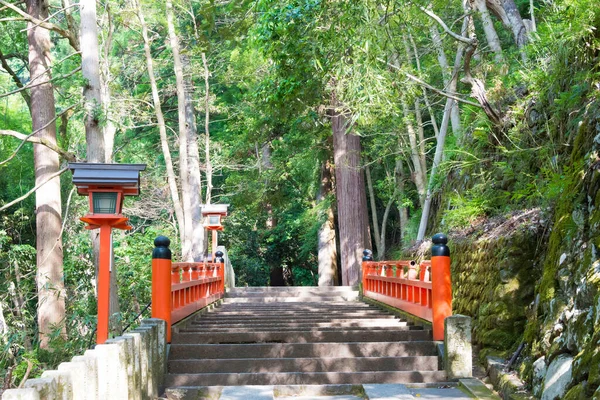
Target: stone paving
{"points": [[371, 392]]}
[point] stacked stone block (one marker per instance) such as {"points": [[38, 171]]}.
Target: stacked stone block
{"points": [[131, 366]]}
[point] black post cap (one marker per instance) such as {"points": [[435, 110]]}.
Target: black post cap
{"points": [[439, 247], [219, 257], [367, 255], [161, 249]]}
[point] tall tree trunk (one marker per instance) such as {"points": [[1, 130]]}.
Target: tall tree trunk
{"points": [[488, 28], [110, 128], [351, 197], [95, 107], [162, 127], [184, 168], [327, 253], [276, 272], [195, 180], [90, 67], [50, 278], [207, 160]]}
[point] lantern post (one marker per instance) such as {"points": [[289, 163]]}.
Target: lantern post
{"points": [[213, 221], [106, 185]]}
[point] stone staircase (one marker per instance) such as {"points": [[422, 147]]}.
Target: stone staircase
{"points": [[299, 336]]}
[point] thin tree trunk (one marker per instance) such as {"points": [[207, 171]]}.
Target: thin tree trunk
{"points": [[162, 127], [446, 74], [188, 229], [3, 326], [351, 197], [488, 28], [402, 210], [439, 150], [532, 15], [421, 137], [207, 161], [50, 278], [386, 215], [16, 292], [327, 252], [374, 218], [419, 176]]}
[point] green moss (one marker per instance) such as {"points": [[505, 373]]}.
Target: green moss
{"points": [[577, 392], [498, 339]]}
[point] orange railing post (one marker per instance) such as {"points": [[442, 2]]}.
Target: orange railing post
{"points": [[367, 258], [161, 282], [441, 284]]}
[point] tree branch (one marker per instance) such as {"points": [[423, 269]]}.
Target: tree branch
{"points": [[61, 115], [26, 195], [73, 40], [28, 86], [460, 38], [15, 79], [428, 86], [37, 140]]}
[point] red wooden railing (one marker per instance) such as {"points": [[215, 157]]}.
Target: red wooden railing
{"points": [[423, 290], [194, 286], [180, 289], [400, 284]]}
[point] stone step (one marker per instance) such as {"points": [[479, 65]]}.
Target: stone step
{"points": [[191, 337], [402, 326], [277, 289], [307, 324], [302, 350], [225, 316], [265, 365], [283, 299], [276, 319], [305, 294], [304, 305], [220, 313], [299, 378]]}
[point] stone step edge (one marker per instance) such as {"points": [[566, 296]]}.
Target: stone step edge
{"points": [[214, 392]]}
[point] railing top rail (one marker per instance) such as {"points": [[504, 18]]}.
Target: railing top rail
{"points": [[196, 282]]}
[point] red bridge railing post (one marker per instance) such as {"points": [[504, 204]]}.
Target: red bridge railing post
{"points": [[161, 282], [441, 284]]}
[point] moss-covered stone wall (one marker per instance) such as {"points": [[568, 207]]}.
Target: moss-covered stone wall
{"points": [[493, 281], [565, 320]]}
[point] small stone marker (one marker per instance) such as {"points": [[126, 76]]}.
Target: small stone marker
{"points": [[458, 353]]}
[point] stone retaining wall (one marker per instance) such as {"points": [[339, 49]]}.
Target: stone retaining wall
{"points": [[131, 366]]}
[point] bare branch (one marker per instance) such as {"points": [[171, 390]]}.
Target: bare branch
{"points": [[428, 86], [460, 38], [15, 79], [28, 86], [72, 37], [37, 140], [65, 112], [26, 195]]}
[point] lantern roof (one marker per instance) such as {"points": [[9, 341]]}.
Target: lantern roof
{"points": [[220, 209], [88, 176]]}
